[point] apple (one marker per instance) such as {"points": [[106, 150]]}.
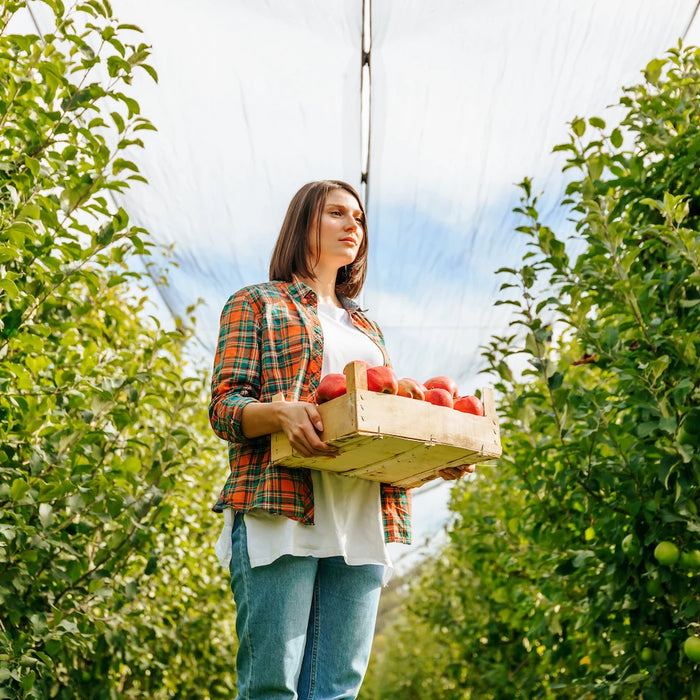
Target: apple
{"points": [[439, 397], [446, 383], [691, 559], [653, 586], [666, 553], [411, 389], [469, 404], [630, 545], [647, 655], [382, 379], [691, 647], [330, 387]]}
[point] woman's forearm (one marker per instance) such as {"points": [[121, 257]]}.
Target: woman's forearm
{"points": [[260, 419]]}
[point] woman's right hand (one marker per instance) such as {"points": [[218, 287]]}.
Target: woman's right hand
{"points": [[301, 423]]}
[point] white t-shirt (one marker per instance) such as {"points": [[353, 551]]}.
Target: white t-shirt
{"points": [[348, 518]]}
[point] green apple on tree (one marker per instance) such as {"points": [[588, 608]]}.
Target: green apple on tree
{"points": [[691, 647], [630, 545], [647, 655], [666, 553], [653, 586], [691, 559]]}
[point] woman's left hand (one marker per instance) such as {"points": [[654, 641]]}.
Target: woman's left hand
{"points": [[452, 473]]}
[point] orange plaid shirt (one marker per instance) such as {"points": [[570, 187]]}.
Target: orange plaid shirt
{"points": [[270, 341]]}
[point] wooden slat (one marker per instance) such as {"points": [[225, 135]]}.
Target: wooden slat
{"points": [[355, 452], [419, 420], [355, 376]]}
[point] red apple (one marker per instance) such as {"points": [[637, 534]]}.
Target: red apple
{"points": [[411, 389], [446, 383], [330, 387], [469, 404], [382, 379], [439, 397]]}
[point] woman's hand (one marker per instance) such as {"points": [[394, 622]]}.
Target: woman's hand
{"points": [[452, 473], [301, 423]]}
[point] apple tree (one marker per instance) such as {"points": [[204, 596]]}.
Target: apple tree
{"points": [[573, 567], [107, 462]]}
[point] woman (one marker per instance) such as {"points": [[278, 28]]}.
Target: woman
{"points": [[308, 549]]}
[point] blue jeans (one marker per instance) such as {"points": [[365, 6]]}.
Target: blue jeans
{"points": [[304, 625]]}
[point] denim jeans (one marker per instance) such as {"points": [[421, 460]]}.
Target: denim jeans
{"points": [[304, 625]]}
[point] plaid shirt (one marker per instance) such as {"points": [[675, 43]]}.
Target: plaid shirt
{"points": [[271, 341]]}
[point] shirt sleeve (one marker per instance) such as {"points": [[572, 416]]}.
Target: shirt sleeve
{"points": [[236, 376]]}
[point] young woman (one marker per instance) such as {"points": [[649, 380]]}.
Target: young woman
{"points": [[307, 549]]}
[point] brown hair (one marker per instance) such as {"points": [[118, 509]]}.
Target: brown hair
{"points": [[291, 254]]}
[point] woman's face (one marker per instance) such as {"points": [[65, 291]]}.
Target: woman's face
{"points": [[342, 230]]}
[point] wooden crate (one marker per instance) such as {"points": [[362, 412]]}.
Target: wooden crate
{"points": [[394, 439]]}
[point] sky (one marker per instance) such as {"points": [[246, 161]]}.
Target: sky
{"points": [[467, 98], [255, 99]]}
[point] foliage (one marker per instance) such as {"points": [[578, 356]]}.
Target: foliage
{"points": [[106, 457], [550, 587]]}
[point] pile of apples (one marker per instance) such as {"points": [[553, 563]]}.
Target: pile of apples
{"points": [[440, 391]]}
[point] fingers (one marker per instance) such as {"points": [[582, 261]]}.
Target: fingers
{"points": [[452, 473], [301, 425], [305, 440], [314, 416]]}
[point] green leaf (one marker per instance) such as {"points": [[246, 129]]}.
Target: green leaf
{"points": [[33, 165], [28, 681], [138, 57], [151, 565], [555, 381], [145, 125], [652, 203], [19, 489], [658, 366], [653, 70], [19, 231], [610, 337], [9, 287], [116, 65], [151, 71], [578, 126], [132, 465], [129, 27], [121, 164], [46, 514], [119, 121], [105, 234], [616, 138], [7, 253]]}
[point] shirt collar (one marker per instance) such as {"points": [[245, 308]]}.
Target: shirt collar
{"points": [[302, 291]]}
